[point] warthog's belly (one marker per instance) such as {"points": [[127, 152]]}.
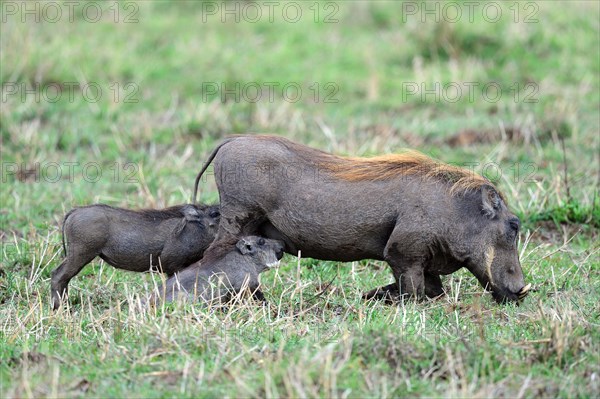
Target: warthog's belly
{"points": [[340, 239]]}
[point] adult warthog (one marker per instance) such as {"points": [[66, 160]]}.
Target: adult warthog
{"points": [[423, 217]]}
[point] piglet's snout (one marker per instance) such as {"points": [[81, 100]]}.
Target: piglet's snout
{"points": [[279, 253]]}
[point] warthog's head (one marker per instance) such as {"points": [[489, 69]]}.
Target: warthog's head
{"points": [[494, 258], [208, 217], [265, 252], [213, 217]]}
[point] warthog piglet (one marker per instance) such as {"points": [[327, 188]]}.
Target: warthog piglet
{"points": [[164, 240], [232, 268]]}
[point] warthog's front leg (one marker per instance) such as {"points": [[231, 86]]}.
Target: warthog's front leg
{"points": [[405, 255], [411, 280], [410, 283], [407, 285], [433, 285], [390, 293]]}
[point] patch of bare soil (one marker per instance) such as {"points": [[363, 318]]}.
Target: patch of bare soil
{"points": [[547, 231]]}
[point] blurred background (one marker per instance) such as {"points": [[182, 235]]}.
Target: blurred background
{"points": [[119, 102]]}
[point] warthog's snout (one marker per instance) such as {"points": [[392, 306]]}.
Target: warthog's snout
{"points": [[508, 296]]}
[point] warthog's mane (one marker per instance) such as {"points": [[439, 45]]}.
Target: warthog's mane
{"points": [[389, 166], [173, 212]]}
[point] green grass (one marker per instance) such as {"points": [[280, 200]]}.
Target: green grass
{"points": [[317, 337]]}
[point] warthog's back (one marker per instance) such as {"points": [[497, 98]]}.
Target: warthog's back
{"points": [[333, 207]]}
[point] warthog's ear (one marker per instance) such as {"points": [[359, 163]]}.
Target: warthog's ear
{"points": [[245, 247], [179, 228], [191, 214], [490, 201]]}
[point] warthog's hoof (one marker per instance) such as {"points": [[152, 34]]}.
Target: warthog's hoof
{"points": [[388, 293], [259, 297]]}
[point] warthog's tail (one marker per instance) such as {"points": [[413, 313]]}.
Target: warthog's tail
{"points": [[212, 156], [63, 230]]}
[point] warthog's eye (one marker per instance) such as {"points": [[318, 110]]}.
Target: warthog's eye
{"points": [[513, 232], [261, 241], [515, 224], [215, 214]]}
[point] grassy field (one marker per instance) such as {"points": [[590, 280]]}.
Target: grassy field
{"points": [[120, 103]]}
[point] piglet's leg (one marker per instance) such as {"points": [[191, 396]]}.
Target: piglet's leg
{"points": [[69, 268]]}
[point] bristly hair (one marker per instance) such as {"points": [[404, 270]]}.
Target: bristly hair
{"points": [[408, 163], [172, 212], [218, 250], [385, 167]]}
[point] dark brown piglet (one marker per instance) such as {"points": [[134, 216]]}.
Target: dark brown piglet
{"points": [[234, 267], [164, 240]]}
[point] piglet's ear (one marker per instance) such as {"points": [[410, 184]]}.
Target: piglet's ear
{"points": [[177, 230], [191, 214], [490, 201], [245, 247]]}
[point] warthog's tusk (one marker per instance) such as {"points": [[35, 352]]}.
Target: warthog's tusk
{"points": [[524, 291], [490, 253], [273, 264]]}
